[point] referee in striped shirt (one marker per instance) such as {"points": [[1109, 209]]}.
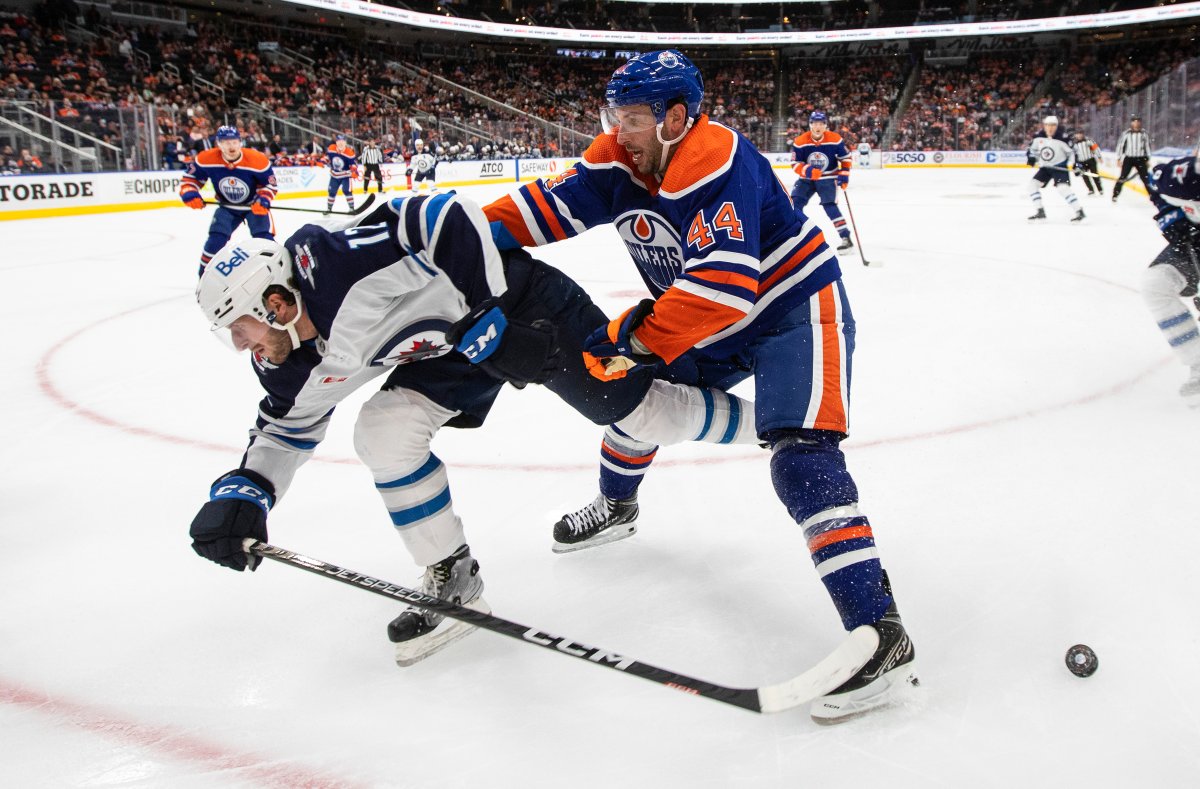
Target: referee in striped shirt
{"points": [[1085, 149], [1133, 153], [372, 157]]}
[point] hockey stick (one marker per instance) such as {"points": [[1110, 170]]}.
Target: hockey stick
{"points": [[366, 203], [1082, 173], [841, 664], [854, 227]]}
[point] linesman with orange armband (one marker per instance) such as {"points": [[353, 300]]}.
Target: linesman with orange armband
{"points": [[743, 286], [821, 160], [244, 183]]}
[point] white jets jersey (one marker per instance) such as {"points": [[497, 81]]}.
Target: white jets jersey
{"points": [[423, 162], [381, 292], [864, 148], [1050, 151]]}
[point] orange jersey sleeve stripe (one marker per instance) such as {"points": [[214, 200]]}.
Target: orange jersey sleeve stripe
{"points": [[681, 320], [838, 535], [539, 200], [795, 260], [505, 212], [832, 413], [725, 278]]}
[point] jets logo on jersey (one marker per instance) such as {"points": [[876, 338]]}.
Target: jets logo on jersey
{"points": [[1047, 153], [421, 340], [818, 159], [1179, 172], [653, 244], [235, 190], [306, 264], [262, 362]]}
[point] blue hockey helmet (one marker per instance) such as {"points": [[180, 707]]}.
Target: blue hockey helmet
{"points": [[654, 78], [228, 133], [817, 115]]}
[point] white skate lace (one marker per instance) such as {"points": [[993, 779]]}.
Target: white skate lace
{"points": [[592, 515]]}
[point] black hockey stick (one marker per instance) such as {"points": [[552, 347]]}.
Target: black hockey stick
{"points": [[366, 203], [854, 227], [841, 664], [1082, 173]]}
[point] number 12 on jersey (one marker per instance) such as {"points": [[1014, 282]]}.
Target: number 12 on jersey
{"points": [[702, 234]]}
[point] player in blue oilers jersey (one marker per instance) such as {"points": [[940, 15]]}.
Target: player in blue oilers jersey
{"points": [[244, 184], [744, 286], [1174, 275], [1050, 154], [821, 162], [414, 293], [343, 169]]}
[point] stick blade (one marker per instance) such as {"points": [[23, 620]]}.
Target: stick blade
{"points": [[840, 665]]}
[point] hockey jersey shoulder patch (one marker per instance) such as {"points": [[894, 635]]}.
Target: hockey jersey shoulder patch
{"points": [[704, 154]]}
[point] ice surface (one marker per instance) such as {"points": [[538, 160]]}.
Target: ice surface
{"points": [[1017, 437]]}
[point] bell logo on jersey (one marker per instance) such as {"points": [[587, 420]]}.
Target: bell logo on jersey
{"points": [[818, 160], [653, 244], [233, 189], [236, 258]]}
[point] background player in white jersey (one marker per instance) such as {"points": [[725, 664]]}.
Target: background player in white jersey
{"points": [[424, 169], [416, 291], [864, 154], [1174, 275], [1050, 154]]}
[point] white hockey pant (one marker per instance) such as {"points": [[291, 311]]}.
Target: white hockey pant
{"points": [[392, 437], [674, 413], [1161, 286]]}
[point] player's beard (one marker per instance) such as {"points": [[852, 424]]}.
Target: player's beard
{"points": [[275, 345], [648, 159]]}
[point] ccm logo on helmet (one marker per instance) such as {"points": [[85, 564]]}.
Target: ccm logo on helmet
{"points": [[226, 267]]}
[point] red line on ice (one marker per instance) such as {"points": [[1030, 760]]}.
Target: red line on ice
{"points": [[167, 742], [47, 386]]}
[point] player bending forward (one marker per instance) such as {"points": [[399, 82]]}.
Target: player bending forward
{"points": [[822, 162], [244, 183], [392, 293], [1174, 276], [744, 287], [1050, 154]]}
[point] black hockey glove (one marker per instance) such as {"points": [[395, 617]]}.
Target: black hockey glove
{"points": [[1030, 161], [237, 509], [520, 353], [1176, 228]]}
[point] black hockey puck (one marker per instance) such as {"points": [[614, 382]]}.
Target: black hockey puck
{"points": [[1082, 661]]}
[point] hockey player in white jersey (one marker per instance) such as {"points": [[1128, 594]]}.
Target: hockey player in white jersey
{"points": [[424, 168], [1173, 278], [1051, 154], [864, 154], [414, 291]]}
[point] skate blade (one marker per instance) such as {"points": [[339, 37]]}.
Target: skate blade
{"points": [[895, 684], [446, 633], [603, 538]]}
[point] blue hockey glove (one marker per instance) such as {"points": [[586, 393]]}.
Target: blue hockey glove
{"points": [[192, 199], [520, 353], [237, 509], [843, 179], [608, 352]]}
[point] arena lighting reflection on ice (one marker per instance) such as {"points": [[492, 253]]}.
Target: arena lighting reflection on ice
{"points": [[659, 40]]}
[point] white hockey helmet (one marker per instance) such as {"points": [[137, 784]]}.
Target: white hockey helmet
{"points": [[1050, 120], [235, 280], [418, 143]]}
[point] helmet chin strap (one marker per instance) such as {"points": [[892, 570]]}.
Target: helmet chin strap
{"points": [[290, 326], [666, 144]]}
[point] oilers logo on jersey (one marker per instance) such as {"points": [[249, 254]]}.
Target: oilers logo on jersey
{"points": [[653, 244], [235, 190], [424, 339], [819, 160]]}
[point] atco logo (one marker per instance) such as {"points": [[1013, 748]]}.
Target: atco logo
{"points": [[818, 160], [236, 258], [939, 157], [491, 169], [233, 189], [653, 244]]}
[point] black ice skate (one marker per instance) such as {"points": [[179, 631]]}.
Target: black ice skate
{"points": [[603, 521], [1079, 216], [1041, 214], [845, 244], [876, 683], [418, 634]]}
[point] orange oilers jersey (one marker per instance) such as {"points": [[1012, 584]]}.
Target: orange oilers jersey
{"points": [[341, 162], [236, 185], [717, 241], [829, 153]]}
